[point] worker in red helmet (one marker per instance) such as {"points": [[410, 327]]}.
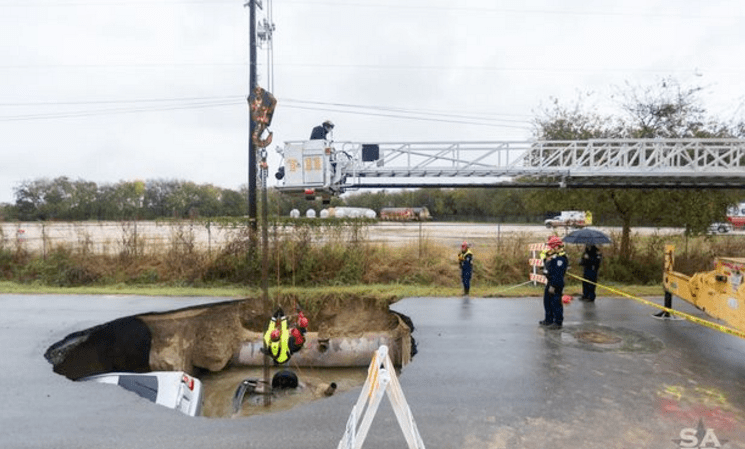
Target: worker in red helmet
{"points": [[280, 342], [555, 267], [297, 334], [465, 260], [275, 335]]}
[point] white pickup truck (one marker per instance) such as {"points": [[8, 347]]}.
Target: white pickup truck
{"points": [[172, 389], [570, 218]]}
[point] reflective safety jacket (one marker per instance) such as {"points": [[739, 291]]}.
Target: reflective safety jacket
{"points": [[278, 350], [465, 259]]}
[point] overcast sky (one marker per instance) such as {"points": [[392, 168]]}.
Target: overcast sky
{"points": [[121, 90]]}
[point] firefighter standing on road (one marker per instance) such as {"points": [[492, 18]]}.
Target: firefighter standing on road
{"points": [[555, 265], [465, 260]]}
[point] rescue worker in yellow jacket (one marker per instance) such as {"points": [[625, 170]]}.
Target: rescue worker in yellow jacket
{"points": [[465, 260], [279, 341]]}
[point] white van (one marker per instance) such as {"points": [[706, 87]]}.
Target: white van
{"points": [[172, 389]]}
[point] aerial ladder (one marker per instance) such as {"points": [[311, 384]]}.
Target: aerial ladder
{"points": [[322, 168]]}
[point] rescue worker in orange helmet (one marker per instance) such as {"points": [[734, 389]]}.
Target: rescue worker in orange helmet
{"points": [[297, 334], [279, 341], [555, 266]]}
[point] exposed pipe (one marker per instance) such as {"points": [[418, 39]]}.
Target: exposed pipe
{"points": [[333, 352]]}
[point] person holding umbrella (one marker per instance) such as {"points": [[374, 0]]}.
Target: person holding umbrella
{"points": [[591, 258], [590, 262]]}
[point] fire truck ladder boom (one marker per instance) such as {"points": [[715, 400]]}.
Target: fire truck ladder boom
{"points": [[648, 163]]}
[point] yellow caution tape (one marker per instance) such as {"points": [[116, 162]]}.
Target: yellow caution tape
{"points": [[510, 288], [691, 318]]}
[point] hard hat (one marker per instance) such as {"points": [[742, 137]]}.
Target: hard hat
{"points": [[302, 321], [275, 335], [464, 245], [328, 123], [554, 242], [299, 340]]}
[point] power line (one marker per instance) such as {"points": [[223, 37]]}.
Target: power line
{"points": [[378, 67], [118, 3], [187, 103], [90, 102], [122, 66], [378, 5], [481, 116], [113, 111], [491, 9], [408, 117]]}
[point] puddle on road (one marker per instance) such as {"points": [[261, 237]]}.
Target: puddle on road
{"points": [[597, 337], [220, 388]]}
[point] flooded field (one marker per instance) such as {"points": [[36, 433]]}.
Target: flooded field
{"points": [[113, 237]]}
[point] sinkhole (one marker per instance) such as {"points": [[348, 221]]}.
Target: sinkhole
{"points": [[220, 343]]}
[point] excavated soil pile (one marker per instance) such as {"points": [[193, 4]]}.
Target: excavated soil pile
{"points": [[207, 337]]}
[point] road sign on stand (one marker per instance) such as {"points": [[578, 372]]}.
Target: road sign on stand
{"points": [[536, 261], [381, 378]]}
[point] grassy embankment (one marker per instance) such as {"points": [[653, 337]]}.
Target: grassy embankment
{"points": [[311, 260]]}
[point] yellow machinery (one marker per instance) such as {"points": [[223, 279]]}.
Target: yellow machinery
{"points": [[720, 293]]}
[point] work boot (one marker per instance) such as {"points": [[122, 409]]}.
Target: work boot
{"points": [[544, 323]]}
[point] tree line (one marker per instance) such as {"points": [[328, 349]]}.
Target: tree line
{"points": [[62, 199]]}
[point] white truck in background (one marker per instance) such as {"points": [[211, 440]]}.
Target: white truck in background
{"points": [[570, 218], [736, 216]]}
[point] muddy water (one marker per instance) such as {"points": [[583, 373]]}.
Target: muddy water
{"points": [[220, 387]]}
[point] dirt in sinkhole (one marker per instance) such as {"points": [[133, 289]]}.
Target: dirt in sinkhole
{"points": [[202, 341]]}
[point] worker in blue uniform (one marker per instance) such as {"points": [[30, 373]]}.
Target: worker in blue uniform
{"points": [[555, 265], [465, 260], [590, 261], [322, 131]]}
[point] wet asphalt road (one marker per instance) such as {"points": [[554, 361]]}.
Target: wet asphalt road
{"points": [[486, 376]]}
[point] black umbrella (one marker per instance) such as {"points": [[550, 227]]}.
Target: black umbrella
{"points": [[587, 236]]}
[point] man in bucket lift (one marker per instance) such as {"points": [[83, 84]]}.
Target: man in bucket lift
{"points": [[321, 131], [279, 341]]}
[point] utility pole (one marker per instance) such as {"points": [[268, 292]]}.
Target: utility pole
{"points": [[252, 215], [251, 146]]}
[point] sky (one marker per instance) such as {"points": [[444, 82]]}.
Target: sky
{"points": [[124, 90]]}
